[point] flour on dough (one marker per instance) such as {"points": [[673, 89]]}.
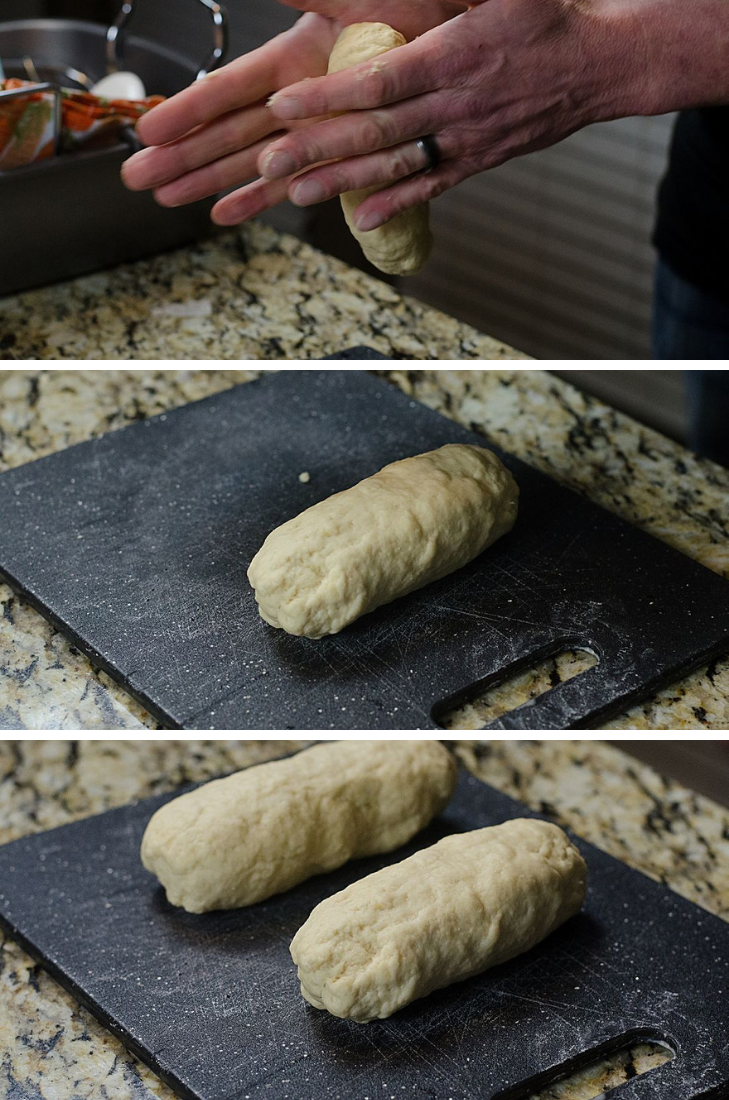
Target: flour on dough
{"points": [[410, 524], [450, 911], [238, 840]]}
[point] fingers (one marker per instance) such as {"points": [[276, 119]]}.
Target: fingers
{"points": [[379, 208], [400, 73], [211, 178], [352, 135], [385, 205], [249, 201], [227, 135], [355, 173], [242, 82], [301, 50]]}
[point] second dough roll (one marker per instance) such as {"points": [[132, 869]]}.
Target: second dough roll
{"points": [[238, 840], [402, 245], [447, 913], [413, 522]]}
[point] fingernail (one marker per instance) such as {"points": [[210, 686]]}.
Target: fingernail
{"points": [[278, 165], [286, 106], [219, 218], [308, 192], [139, 157], [366, 222], [134, 164], [169, 202]]}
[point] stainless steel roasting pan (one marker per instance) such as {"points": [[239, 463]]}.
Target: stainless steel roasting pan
{"points": [[70, 215]]}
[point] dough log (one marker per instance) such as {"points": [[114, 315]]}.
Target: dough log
{"points": [[450, 911], [402, 245], [413, 522], [238, 840]]}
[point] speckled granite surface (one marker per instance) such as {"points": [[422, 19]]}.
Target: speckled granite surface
{"points": [[248, 294], [46, 684], [51, 1049]]}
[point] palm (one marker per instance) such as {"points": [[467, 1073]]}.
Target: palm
{"points": [[211, 137], [305, 48], [208, 138]]}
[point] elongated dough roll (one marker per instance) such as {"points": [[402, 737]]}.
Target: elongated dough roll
{"points": [[448, 912], [402, 245], [238, 840], [412, 523]]}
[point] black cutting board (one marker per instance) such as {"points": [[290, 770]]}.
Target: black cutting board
{"points": [[212, 1004], [137, 544]]}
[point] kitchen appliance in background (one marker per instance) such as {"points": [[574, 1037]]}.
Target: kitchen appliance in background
{"points": [[71, 214]]}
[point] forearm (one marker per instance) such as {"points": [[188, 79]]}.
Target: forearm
{"points": [[654, 56]]}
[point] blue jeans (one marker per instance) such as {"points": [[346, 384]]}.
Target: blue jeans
{"points": [[708, 409], [689, 324]]}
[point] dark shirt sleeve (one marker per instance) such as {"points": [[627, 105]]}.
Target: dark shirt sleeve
{"points": [[692, 227]]}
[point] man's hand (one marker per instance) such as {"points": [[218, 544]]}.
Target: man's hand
{"points": [[501, 79], [208, 137], [505, 78]]}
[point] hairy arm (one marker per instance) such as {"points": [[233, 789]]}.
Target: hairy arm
{"points": [[680, 53], [505, 78], [490, 83]]}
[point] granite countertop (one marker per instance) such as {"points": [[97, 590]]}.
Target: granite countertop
{"points": [[52, 1049], [46, 684], [248, 294]]}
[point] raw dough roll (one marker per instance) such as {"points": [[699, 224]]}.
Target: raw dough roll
{"points": [[412, 523], [402, 245], [450, 911], [238, 840]]}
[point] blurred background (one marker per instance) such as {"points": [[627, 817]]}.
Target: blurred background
{"points": [[550, 252], [654, 397], [701, 766]]}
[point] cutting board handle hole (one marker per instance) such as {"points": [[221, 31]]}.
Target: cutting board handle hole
{"points": [[604, 1069], [521, 682]]}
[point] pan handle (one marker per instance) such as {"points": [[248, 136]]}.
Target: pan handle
{"points": [[30, 89], [115, 37]]}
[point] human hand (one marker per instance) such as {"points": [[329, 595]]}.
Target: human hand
{"points": [[502, 79], [410, 17], [208, 137]]}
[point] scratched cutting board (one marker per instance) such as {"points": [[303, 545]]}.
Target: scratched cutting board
{"points": [[211, 1002], [137, 544]]}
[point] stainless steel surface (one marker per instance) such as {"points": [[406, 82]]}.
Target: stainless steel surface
{"points": [[115, 37], [71, 214], [64, 75], [63, 43], [76, 217], [18, 93]]}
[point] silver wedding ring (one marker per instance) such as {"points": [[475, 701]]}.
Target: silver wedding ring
{"points": [[428, 146]]}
